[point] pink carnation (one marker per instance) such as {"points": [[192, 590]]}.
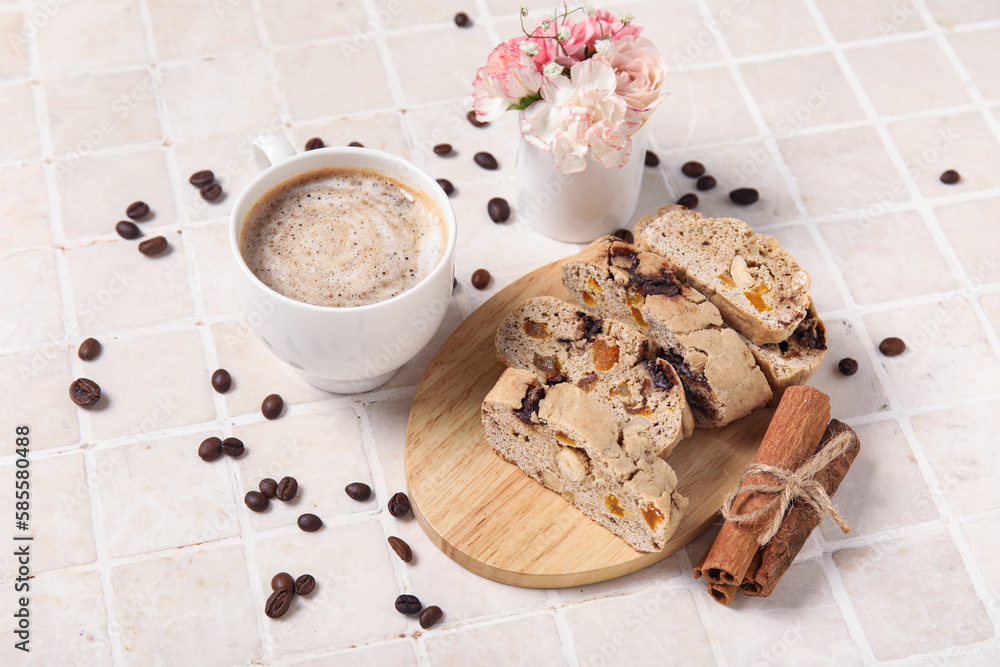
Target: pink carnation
{"points": [[583, 35], [508, 75]]}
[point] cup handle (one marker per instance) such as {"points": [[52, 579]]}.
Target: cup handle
{"points": [[270, 149]]}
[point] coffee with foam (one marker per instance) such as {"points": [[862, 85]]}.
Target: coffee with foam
{"points": [[342, 237]]}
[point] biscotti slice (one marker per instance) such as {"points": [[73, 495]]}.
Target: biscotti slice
{"points": [[568, 441], [760, 289], [793, 361], [610, 279], [606, 359]]}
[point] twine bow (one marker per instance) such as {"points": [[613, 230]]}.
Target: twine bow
{"points": [[790, 485]]}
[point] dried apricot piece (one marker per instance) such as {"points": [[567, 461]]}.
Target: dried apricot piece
{"points": [[535, 329], [605, 354], [653, 516], [612, 504]]}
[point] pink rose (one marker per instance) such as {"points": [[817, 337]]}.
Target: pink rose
{"points": [[639, 71], [508, 75]]}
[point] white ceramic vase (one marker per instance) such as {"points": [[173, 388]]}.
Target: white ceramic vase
{"points": [[583, 206]]}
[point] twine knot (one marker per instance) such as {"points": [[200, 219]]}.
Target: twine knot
{"points": [[790, 485]]}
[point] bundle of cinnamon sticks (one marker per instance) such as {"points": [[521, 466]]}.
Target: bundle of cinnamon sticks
{"points": [[784, 495]]}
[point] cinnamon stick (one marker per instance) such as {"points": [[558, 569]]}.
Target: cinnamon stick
{"points": [[773, 559], [792, 436]]}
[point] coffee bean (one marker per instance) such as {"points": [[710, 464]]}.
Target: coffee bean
{"points": [[693, 169], [705, 183], [305, 584], [744, 196], [399, 505], [892, 346], [287, 488], [233, 447], [268, 487], [89, 349], [154, 246], [84, 392], [625, 235], [314, 143], [485, 160], [256, 501], [137, 210], [278, 603], [408, 604], [499, 209], [652, 159], [271, 406], [848, 366], [210, 448], [480, 278], [442, 149], [462, 20], [401, 548], [221, 380], [471, 117], [310, 523], [950, 177], [430, 616], [446, 185], [211, 192], [282, 582], [200, 179], [128, 230], [358, 491], [690, 200], [356, 144]]}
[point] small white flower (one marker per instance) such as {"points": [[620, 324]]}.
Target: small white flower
{"points": [[553, 70], [589, 10], [529, 49], [564, 33], [604, 47], [524, 10], [626, 17], [544, 26]]}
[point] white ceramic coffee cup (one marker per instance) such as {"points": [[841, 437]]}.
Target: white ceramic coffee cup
{"points": [[348, 349]]}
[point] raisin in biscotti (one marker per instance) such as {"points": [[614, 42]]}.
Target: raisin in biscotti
{"points": [[760, 289], [570, 442], [722, 380], [606, 359], [793, 361]]}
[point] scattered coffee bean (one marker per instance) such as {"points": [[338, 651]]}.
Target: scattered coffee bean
{"points": [[314, 143], [89, 349], [485, 160], [305, 584], [950, 177], [137, 210], [310, 523], [287, 488], [233, 447], [282, 582], [446, 185], [268, 487], [84, 392], [744, 196], [480, 278], [430, 616], [499, 209], [154, 246], [442, 149], [401, 548], [210, 449], [690, 200], [278, 603], [271, 406], [256, 501], [399, 505], [200, 179], [358, 491], [652, 159], [356, 144], [408, 604], [848, 366], [892, 346], [211, 192], [471, 117], [693, 169], [221, 380], [462, 20], [705, 183], [128, 230], [625, 235]]}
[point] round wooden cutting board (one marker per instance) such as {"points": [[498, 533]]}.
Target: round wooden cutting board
{"points": [[489, 516]]}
